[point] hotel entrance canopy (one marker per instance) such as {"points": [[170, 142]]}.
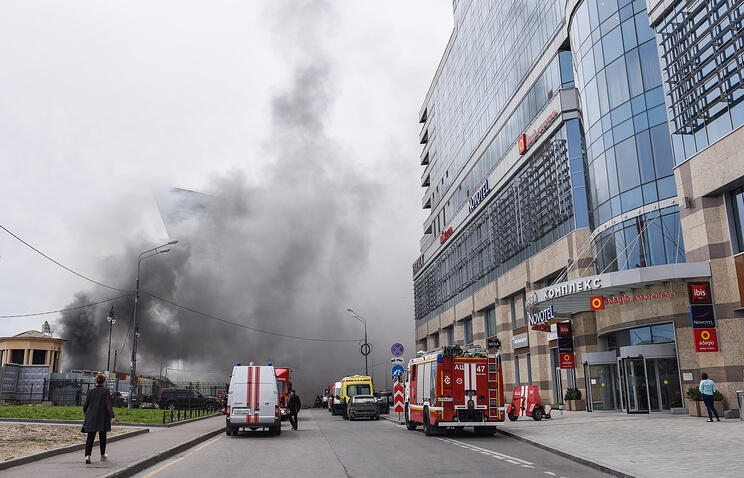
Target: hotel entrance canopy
{"points": [[572, 297]]}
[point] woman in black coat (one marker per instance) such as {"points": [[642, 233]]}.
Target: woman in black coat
{"points": [[99, 415]]}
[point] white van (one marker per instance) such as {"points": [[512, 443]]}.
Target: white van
{"points": [[253, 400]]}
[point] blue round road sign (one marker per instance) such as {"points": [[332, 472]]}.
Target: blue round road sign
{"points": [[397, 349], [397, 370]]}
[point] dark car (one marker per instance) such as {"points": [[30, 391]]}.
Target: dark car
{"points": [[385, 399], [181, 399], [213, 403], [121, 399], [363, 406]]}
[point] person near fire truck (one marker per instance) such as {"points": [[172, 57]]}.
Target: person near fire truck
{"points": [[294, 406]]}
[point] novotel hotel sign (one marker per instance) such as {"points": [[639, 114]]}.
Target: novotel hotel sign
{"points": [[478, 197]]}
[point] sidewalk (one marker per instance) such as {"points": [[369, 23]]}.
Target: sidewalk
{"points": [[639, 446], [636, 446], [126, 456]]}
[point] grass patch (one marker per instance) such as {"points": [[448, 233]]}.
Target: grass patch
{"points": [[50, 412]]}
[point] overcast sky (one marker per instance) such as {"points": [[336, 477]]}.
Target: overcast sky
{"points": [[299, 117]]}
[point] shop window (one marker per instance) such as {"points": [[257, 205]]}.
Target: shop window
{"points": [[435, 340]]}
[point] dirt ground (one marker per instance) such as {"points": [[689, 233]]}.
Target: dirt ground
{"points": [[21, 439]]}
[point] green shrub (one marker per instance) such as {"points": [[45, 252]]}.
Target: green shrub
{"points": [[717, 396], [693, 394], [572, 394]]}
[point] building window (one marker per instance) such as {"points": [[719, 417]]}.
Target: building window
{"points": [[513, 312], [525, 317], [449, 335], [529, 370], [516, 370], [467, 326], [435, 340], [38, 357], [737, 206], [490, 319], [16, 356]]}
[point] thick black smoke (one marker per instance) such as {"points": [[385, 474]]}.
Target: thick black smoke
{"points": [[276, 253]]}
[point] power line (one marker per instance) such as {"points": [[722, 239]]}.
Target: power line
{"points": [[60, 264], [130, 292], [64, 310]]}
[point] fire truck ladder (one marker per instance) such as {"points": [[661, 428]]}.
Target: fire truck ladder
{"points": [[493, 388]]}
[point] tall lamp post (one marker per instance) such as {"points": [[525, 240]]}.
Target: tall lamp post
{"points": [[135, 332], [111, 321], [365, 348]]}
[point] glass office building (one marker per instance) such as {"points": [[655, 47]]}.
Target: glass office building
{"points": [[552, 185]]}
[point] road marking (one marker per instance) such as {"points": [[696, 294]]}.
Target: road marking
{"points": [[491, 453], [153, 473]]}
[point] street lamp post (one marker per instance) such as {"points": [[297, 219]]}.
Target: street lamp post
{"points": [[135, 328], [111, 321], [365, 347]]}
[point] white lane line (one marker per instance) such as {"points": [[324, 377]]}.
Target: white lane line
{"points": [[500, 456]]}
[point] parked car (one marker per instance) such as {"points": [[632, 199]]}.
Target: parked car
{"points": [[181, 399], [363, 406], [213, 403], [121, 399], [385, 399]]}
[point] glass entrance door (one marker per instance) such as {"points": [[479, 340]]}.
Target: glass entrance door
{"points": [[601, 387], [636, 386]]}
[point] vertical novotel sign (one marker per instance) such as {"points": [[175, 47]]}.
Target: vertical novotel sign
{"points": [[478, 197]]}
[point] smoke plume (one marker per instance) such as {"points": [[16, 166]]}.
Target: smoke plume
{"points": [[274, 250]]}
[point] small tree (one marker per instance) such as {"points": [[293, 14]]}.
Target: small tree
{"points": [[572, 394]]}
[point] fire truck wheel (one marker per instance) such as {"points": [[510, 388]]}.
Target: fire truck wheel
{"points": [[429, 429], [512, 416], [409, 424], [537, 414]]}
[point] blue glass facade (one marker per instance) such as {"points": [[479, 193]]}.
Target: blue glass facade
{"points": [[629, 153], [702, 59]]}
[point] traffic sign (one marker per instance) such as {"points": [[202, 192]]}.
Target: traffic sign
{"points": [[398, 397], [397, 349], [396, 360], [397, 370], [366, 349]]}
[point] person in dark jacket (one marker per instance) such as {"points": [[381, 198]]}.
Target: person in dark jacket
{"points": [[99, 415], [294, 406]]}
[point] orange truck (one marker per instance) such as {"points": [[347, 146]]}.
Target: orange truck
{"points": [[284, 386]]}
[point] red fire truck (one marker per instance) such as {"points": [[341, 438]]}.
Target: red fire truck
{"points": [[284, 385], [455, 387]]}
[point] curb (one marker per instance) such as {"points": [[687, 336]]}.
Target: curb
{"points": [[148, 462], [65, 449]]}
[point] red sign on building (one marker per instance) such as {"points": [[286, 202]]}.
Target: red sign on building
{"points": [[567, 359], [596, 302], [706, 340], [699, 293]]}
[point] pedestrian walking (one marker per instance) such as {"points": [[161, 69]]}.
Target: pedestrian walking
{"points": [[294, 408], [99, 415], [708, 388]]}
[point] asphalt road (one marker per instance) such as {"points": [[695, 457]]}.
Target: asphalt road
{"points": [[333, 447]]}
